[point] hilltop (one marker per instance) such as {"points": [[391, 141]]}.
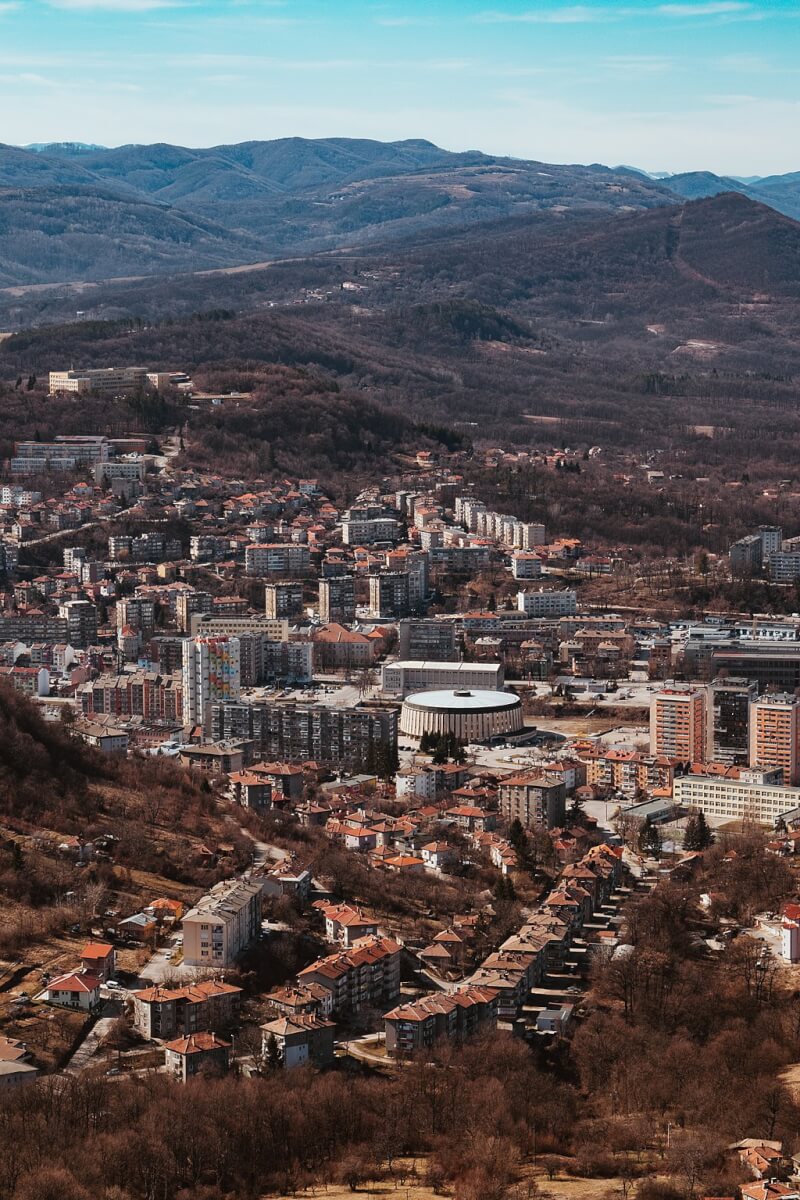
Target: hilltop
{"points": [[193, 209]]}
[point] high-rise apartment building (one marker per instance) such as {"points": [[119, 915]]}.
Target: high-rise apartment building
{"points": [[81, 617], [283, 599], [388, 594], [729, 718], [427, 640], [337, 600], [679, 722], [354, 738], [775, 734], [189, 604], [211, 674]]}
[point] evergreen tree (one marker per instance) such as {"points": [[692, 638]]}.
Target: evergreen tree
{"points": [[272, 1053], [697, 835], [650, 838]]}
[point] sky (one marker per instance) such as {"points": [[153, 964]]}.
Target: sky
{"points": [[665, 85]]}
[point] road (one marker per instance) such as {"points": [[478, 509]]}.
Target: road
{"points": [[83, 1055]]}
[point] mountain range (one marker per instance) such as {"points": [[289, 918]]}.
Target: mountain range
{"points": [[70, 211]]}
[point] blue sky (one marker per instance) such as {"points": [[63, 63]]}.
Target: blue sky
{"points": [[662, 84]]}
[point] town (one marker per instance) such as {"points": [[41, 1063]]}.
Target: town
{"points": [[345, 783]]}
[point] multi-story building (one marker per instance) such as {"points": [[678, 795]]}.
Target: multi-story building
{"points": [[290, 661], [389, 594], [336, 647], [427, 640], [189, 604], [775, 734], [351, 738], [35, 628], [746, 555], [771, 539], [103, 381], [456, 1015], [299, 1039], [365, 525], [278, 558], [525, 565], [337, 599], [784, 566], [415, 564], [729, 718], [145, 694], [535, 799], [679, 725], [138, 613], [233, 625], [211, 675], [81, 618], [283, 600], [741, 794], [222, 924], [160, 1012], [191, 1055], [404, 677], [547, 604], [366, 976]]}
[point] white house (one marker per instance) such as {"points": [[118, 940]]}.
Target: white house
{"points": [[79, 989]]}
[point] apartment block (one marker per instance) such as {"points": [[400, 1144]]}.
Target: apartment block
{"points": [[389, 594], [366, 976], [742, 795], [679, 724], [457, 1016], [222, 924], [427, 640], [283, 600], [160, 1012], [729, 716], [278, 558], [746, 555], [775, 734], [341, 737], [81, 618], [538, 801], [337, 599], [211, 675], [547, 604]]}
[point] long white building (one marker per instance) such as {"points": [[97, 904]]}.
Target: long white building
{"points": [[416, 675], [758, 796]]}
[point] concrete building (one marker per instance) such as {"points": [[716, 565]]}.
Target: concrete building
{"points": [[729, 718], [351, 738], [427, 639], [81, 618], [211, 675], [389, 594], [299, 1039], [744, 795], [102, 381], [415, 675], [679, 723], [472, 716], [160, 1012], [278, 558], [538, 801], [283, 600], [337, 599], [197, 1053], [222, 924], [456, 1015], [190, 604], [547, 604], [775, 734], [746, 555]]}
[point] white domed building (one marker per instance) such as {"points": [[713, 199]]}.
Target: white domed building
{"points": [[472, 715]]}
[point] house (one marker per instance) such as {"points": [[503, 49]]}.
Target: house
{"points": [[769, 1190], [196, 1053], [165, 910], [346, 924], [471, 819], [301, 1038], [555, 1020], [98, 958], [437, 855], [762, 1159], [286, 879], [16, 1074], [79, 989], [301, 998], [137, 927]]}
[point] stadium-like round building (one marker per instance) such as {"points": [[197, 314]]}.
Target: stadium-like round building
{"points": [[473, 716]]}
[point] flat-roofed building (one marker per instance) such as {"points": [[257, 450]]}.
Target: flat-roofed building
{"points": [[419, 675], [775, 734], [679, 723], [744, 794]]}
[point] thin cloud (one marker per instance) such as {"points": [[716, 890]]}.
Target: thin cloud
{"points": [[714, 8], [116, 6], [575, 14]]}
